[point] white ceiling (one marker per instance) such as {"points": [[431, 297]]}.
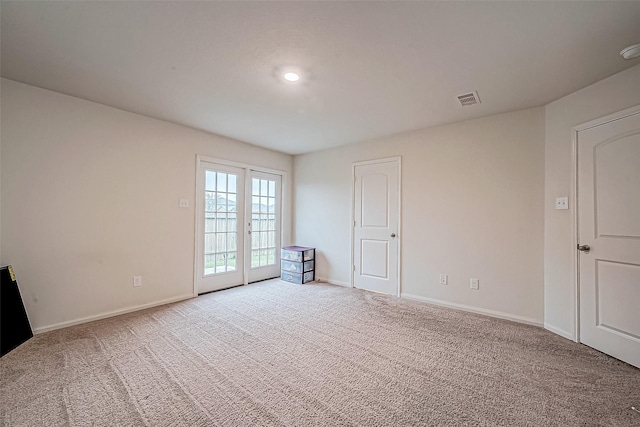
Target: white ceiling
{"points": [[371, 69]]}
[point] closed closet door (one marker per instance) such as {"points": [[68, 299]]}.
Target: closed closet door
{"points": [[609, 237], [376, 226]]}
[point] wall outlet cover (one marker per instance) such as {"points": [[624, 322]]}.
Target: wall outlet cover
{"points": [[443, 279], [137, 281], [475, 284], [562, 203]]}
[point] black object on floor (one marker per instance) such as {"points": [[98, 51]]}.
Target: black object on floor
{"points": [[14, 323]]}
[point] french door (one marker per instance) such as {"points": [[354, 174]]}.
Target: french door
{"points": [[238, 226], [220, 253], [264, 227]]}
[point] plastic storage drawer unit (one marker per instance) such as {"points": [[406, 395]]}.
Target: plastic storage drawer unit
{"points": [[298, 264]]}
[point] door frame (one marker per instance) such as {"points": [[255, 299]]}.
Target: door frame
{"points": [[284, 201], [398, 161], [574, 198]]}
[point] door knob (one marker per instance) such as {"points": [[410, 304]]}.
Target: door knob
{"points": [[393, 234], [584, 248]]}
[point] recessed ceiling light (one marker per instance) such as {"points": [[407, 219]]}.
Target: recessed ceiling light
{"points": [[631, 52], [291, 77]]}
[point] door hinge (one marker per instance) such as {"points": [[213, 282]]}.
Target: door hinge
{"points": [[354, 268]]}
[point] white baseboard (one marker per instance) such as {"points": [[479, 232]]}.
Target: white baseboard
{"points": [[335, 282], [125, 310], [477, 310], [558, 331]]}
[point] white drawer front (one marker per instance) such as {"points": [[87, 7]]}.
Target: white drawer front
{"points": [[295, 267]]}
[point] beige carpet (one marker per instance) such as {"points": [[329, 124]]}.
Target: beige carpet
{"points": [[277, 354]]}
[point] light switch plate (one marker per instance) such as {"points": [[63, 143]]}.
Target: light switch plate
{"points": [[562, 203]]}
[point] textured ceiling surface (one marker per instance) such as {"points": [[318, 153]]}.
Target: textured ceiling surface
{"points": [[369, 69]]}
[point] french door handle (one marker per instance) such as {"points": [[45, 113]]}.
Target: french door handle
{"points": [[393, 234], [584, 248]]}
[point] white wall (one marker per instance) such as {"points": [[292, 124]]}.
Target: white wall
{"points": [[90, 199], [472, 206], [615, 93]]}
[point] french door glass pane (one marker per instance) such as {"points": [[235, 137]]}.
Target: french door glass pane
{"points": [[221, 228], [221, 182], [231, 261], [232, 222], [232, 243], [209, 222]]}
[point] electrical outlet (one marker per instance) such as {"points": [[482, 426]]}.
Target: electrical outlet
{"points": [[443, 279], [137, 281], [183, 203], [475, 284], [562, 203]]}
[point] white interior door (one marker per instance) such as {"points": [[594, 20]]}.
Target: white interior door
{"points": [[376, 226], [609, 224], [220, 216], [264, 226]]}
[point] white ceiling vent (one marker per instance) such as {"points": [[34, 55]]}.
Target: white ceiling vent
{"points": [[469, 98]]}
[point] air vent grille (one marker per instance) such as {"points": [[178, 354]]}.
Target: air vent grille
{"points": [[469, 98]]}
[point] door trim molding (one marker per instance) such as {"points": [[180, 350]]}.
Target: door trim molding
{"points": [[398, 161], [200, 158], [574, 196]]}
